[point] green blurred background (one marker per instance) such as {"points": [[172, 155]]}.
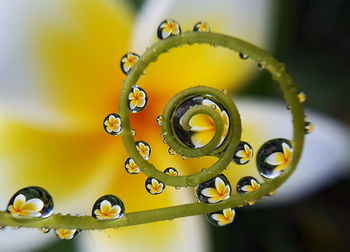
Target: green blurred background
{"points": [[313, 40]]}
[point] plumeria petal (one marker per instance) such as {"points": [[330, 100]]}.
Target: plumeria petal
{"points": [[276, 158]]}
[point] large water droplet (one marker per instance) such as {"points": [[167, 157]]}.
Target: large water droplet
{"points": [[171, 171], [168, 28], [131, 166], [31, 202], [274, 157], [137, 99], [66, 234], [201, 27], [113, 124], [243, 154], [128, 61], [144, 149], [222, 218], [108, 207], [202, 126], [247, 184], [214, 190], [153, 186]]}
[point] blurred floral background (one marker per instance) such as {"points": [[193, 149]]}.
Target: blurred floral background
{"points": [[55, 92]]}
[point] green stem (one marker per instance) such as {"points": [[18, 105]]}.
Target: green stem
{"points": [[259, 56]]}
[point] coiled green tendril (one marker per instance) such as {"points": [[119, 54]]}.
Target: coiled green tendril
{"points": [[224, 151]]}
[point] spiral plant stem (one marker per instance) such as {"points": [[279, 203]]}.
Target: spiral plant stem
{"points": [[259, 56]]}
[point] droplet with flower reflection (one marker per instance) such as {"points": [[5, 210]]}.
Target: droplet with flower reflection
{"points": [[128, 61], [243, 154], [153, 186], [221, 218], [171, 151], [66, 234], [144, 149], [137, 99], [214, 190], [309, 127], [274, 157], [171, 171], [168, 28], [108, 207], [31, 201], [113, 124], [247, 184], [243, 56], [131, 166], [201, 27], [45, 230], [159, 120]]}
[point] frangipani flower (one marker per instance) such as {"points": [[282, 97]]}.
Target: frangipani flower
{"points": [[280, 159], [60, 76], [225, 218], [219, 193], [23, 207], [107, 211]]}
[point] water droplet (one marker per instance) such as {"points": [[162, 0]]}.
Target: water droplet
{"points": [[261, 65], [214, 190], [113, 124], [108, 207], [243, 154], [161, 135], [160, 120], [201, 27], [66, 234], [31, 202], [309, 127], [203, 169], [2, 228], [251, 203], [224, 91], [243, 56], [221, 218], [177, 187], [194, 137], [168, 28], [247, 184], [171, 151], [271, 193], [184, 157], [45, 230], [171, 171], [128, 61], [137, 99], [153, 186], [301, 97], [144, 149], [274, 157], [131, 166], [164, 141], [133, 132]]}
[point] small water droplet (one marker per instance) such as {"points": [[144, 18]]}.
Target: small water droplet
{"points": [[31, 201], [177, 187], [160, 120], [184, 157], [66, 234], [271, 193], [168, 28], [144, 149], [45, 230], [201, 27], [261, 66], [137, 99], [171, 151], [161, 135], [128, 61], [273, 157], [224, 91], [309, 127], [108, 207], [213, 106], [301, 97], [220, 184], [243, 56], [221, 218], [243, 154], [133, 132], [113, 124], [203, 169], [153, 186], [2, 228], [131, 166], [247, 184], [171, 171], [164, 141], [251, 203]]}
